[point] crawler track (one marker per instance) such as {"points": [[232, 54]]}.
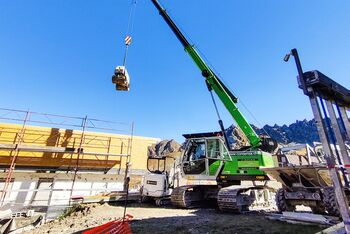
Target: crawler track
{"points": [[193, 196], [237, 200], [229, 199]]}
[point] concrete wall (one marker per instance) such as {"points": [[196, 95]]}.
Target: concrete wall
{"points": [[51, 192]]}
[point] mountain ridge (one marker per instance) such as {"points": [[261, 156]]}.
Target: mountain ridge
{"points": [[301, 131]]}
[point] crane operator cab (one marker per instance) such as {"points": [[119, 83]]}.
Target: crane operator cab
{"points": [[206, 159], [158, 183], [121, 78], [204, 154]]}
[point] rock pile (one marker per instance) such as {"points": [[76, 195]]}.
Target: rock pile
{"points": [[164, 148]]}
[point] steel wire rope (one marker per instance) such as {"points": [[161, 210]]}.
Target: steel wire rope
{"points": [[131, 17], [129, 29], [225, 83]]}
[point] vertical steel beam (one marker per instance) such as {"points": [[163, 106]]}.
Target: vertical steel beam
{"points": [[106, 157], [320, 127], [344, 116], [80, 150], [127, 168], [330, 158], [51, 192], [329, 155], [337, 133], [308, 152], [128, 163], [332, 139]]}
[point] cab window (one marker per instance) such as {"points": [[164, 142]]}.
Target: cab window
{"points": [[213, 148]]}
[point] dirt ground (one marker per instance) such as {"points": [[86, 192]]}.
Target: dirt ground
{"points": [[150, 219]]}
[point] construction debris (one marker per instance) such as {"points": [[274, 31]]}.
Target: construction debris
{"points": [[28, 213], [20, 224], [5, 214], [335, 229], [304, 218]]}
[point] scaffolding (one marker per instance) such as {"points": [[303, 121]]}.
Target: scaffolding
{"points": [[52, 143]]}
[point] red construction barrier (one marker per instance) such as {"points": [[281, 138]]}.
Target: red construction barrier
{"points": [[118, 226]]}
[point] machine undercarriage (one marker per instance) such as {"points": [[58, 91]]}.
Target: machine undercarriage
{"points": [[235, 199], [308, 186]]}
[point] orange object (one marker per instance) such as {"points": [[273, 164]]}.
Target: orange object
{"points": [[118, 226]]}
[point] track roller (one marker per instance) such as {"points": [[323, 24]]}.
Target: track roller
{"points": [[187, 197], [234, 200]]}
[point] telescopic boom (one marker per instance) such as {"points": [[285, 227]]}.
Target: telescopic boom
{"points": [[213, 82]]}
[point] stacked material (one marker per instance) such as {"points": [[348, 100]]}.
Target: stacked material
{"points": [[121, 78]]}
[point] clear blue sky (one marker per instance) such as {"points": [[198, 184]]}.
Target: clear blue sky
{"points": [[58, 56]]}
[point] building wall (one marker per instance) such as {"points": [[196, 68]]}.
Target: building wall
{"points": [[51, 193], [57, 149]]}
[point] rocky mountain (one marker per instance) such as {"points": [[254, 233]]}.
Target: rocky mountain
{"points": [[164, 147], [235, 137], [304, 131]]}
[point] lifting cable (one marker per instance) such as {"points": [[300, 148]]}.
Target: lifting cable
{"points": [[121, 77], [220, 120], [129, 29], [241, 101]]}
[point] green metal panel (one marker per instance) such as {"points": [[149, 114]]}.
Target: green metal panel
{"points": [[248, 163], [213, 168]]}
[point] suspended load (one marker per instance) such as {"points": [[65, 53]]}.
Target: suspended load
{"points": [[121, 78]]}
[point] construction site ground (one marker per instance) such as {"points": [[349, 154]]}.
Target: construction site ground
{"points": [[152, 219]]}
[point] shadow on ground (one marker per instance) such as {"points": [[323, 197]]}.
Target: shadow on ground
{"points": [[212, 221]]}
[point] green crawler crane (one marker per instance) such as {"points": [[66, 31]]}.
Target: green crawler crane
{"points": [[212, 170]]}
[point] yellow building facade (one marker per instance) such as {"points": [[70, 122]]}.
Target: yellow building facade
{"points": [[56, 149]]}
